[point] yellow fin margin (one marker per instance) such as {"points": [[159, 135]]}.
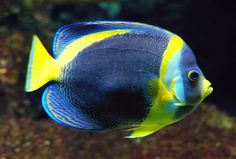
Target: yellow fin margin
{"points": [[143, 131], [42, 68]]}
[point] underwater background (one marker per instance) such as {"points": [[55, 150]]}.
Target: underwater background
{"points": [[27, 132]]}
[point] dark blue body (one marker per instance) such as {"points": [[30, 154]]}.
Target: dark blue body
{"points": [[107, 81]]}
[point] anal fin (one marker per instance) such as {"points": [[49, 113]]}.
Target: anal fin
{"points": [[143, 131], [59, 108]]}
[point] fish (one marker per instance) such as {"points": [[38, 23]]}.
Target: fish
{"points": [[105, 75]]}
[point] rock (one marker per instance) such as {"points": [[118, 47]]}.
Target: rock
{"points": [[207, 133]]}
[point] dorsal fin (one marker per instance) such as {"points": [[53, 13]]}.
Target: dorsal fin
{"points": [[67, 34]]}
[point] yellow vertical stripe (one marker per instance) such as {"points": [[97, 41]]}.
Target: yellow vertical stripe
{"points": [[174, 46], [159, 116]]}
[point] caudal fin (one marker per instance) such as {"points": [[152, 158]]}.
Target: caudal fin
{"points": [[42, 68]]}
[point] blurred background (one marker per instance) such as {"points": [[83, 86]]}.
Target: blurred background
{"points": [[206, 25]]}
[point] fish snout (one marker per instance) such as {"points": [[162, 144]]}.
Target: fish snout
{"points": [[207, 88]]}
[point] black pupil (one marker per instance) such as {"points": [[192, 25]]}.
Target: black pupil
{"points": [[194, 76]]}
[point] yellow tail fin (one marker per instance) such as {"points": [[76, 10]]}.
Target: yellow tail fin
{"points": [[42, 68]]}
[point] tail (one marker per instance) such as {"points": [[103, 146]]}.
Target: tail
{"points": [[42, 68]]}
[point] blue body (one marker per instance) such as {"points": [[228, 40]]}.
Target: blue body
{"points": [[107, 80]]}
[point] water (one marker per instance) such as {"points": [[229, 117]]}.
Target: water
{"points": [[27, 132]]}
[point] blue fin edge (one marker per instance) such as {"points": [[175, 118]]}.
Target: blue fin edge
{"points": [[45, 106], [148, 26], [78, 119]]}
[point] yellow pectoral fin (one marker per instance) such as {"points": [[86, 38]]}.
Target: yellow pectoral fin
{"points": [[143, 131], [159, 93]]}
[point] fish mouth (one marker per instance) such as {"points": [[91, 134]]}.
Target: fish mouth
{"points": [[209, 89]]}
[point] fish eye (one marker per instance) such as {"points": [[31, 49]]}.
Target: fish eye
{"points": [[193, 75]]}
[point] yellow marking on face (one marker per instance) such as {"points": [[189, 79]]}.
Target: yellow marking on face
{"points": [[174, 46], [80, 44], [207, 89]]}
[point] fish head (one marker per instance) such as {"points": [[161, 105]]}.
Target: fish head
{"points": [[189, 86]]}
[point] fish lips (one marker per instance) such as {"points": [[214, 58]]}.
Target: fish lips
{"points": [[207, 88]]}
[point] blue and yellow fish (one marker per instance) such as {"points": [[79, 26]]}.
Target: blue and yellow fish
{"points": [[115, 74]]}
